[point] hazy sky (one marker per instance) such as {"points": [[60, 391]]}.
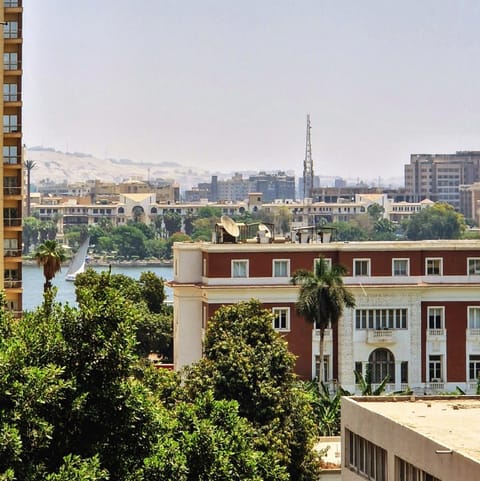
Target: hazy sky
{"points": [[226, 84]]}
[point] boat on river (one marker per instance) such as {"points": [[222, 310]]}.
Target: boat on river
{"points": [[77, 266]]}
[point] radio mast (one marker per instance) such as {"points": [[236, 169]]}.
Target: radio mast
{"points": [[308, 165]]}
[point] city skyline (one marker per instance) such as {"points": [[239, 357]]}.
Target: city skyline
{"points": [[227, 86]]}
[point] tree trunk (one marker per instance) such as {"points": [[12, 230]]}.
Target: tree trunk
{"points": [[321, 356]]}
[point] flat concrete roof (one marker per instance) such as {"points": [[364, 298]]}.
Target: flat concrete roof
{"points": [[451, 421]]}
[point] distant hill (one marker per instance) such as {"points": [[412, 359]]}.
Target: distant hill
{"points": [[56, 166], [72, 167]]}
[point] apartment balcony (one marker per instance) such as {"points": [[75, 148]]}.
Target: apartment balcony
{"points": [[12, 131], [12, 100], [15, 161], [12, 222], [10, 283], [12, 191], [12, 253], [14, 314], [12, 67], [380, 336]]}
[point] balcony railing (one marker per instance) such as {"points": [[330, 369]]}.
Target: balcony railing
{"points": [[12, 65], [11, 34], [12, 190], [380, 336], [12, 283], [12, 129], [12, 221], [436, 386], [13, 160], [12, 252], [12, 97], [436, 332], [11, 3]]}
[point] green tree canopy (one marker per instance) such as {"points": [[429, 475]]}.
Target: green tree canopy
{"points": [[50, 256], [248, 362], [440, 221]]}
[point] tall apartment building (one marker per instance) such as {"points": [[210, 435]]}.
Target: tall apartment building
{"points": [[11, 12], [438, 177]]}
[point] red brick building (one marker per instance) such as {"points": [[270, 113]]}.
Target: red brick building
{"points": [[417, 314]]}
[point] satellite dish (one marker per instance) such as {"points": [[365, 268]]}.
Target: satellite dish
{"points": [[265, 230], [230, 226]]}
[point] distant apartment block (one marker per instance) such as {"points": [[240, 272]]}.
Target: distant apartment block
{"points": [[438, 177], [272, 186], [11, 13]]}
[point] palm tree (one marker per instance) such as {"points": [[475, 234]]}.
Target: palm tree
{"points": [[50, 255], [29, 165], [322, 299]]}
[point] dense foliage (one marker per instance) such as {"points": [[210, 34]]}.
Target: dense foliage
{"points": [[78, 402], [248, 362]]}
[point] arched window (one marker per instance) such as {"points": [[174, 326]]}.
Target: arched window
{"points": [[121, 210], [153, 210], [382, 363]]}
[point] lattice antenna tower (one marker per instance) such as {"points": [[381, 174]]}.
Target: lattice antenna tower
{"points": [[308, 164]]}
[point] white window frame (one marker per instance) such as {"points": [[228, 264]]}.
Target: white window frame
{"points": [[327, 261], [244, 262], [404, 259], [440, 259], [286, 262], [368, 261], [286, 311], [441, 310], [476, 269], [475, 364], [438, 363], [473, 323]]}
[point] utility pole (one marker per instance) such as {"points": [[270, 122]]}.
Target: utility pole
{"points": [[308, 165]]}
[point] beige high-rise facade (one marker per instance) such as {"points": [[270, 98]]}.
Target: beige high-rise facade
{"points": [[11, 197]]}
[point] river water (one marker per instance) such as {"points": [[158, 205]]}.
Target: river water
{"points": [[33, 282]]}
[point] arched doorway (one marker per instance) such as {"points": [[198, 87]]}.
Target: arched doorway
{"points": [[138, 213], [382, 363]]}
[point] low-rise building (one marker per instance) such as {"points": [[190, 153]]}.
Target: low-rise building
{"points": [[410, 439], [416, 320]]}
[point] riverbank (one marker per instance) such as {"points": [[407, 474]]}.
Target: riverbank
{"points": [[113, 263]]}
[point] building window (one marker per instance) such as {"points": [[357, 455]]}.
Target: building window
{"points": [[474, 265], [281, 268], [361, 267], [474, 367], [382, 365], [435, 368], [400, 267], [10, 61], [10, 30], [404, 372], [365, 458], [10, 123], [239, 268], [327, 261], [381, 318], [10, 154], [326, 367], [281, 318], [10, 93], [433, 266], [436, 317], [408, 472], [474, 317]]}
